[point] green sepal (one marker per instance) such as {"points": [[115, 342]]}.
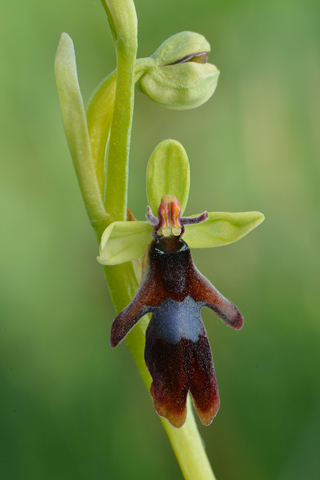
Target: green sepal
{"points": [[221, 228], [168, 172], [180, 86], [124, 241]]}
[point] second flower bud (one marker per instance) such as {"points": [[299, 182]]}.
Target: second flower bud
{"points": [[180, 76]]}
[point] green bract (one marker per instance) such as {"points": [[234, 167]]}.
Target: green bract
{"points": [[125, 241], [76, 130], [168, 167]]}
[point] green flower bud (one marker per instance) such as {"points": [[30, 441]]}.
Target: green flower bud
{"points": [[179, 76]]}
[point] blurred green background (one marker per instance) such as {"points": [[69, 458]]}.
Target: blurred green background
{"points": [[72, 409]]}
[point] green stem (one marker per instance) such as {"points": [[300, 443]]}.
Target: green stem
{"points": [[123, 21], [121, 279], [119, 145], [188, 448]]}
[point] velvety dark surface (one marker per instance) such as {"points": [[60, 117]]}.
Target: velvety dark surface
{"points": [[177, 368], [171, 273], [177, 350]]}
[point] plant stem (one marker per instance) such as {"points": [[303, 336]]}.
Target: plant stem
{"points": [[189, 449], [121, 279], [123, 22], [119, 145]]}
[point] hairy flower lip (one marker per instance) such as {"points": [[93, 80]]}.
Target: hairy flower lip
{"points": [[200, 57], [177, 351]]}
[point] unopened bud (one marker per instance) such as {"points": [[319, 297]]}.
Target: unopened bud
{"points": [[180, 78]]}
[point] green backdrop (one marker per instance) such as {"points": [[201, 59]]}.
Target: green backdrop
{"points": [[70, 407]]}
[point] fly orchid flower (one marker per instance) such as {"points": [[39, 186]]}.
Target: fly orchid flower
{"points": [[177, 351]]}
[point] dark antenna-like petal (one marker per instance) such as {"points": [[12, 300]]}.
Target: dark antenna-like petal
{"points": [[203, 291], [147, 296], [192, 220]]}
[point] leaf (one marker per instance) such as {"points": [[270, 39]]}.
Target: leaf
{"points": [[168, 172], [72, 108], [221, 228], [75, 127], [124, 241]]}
